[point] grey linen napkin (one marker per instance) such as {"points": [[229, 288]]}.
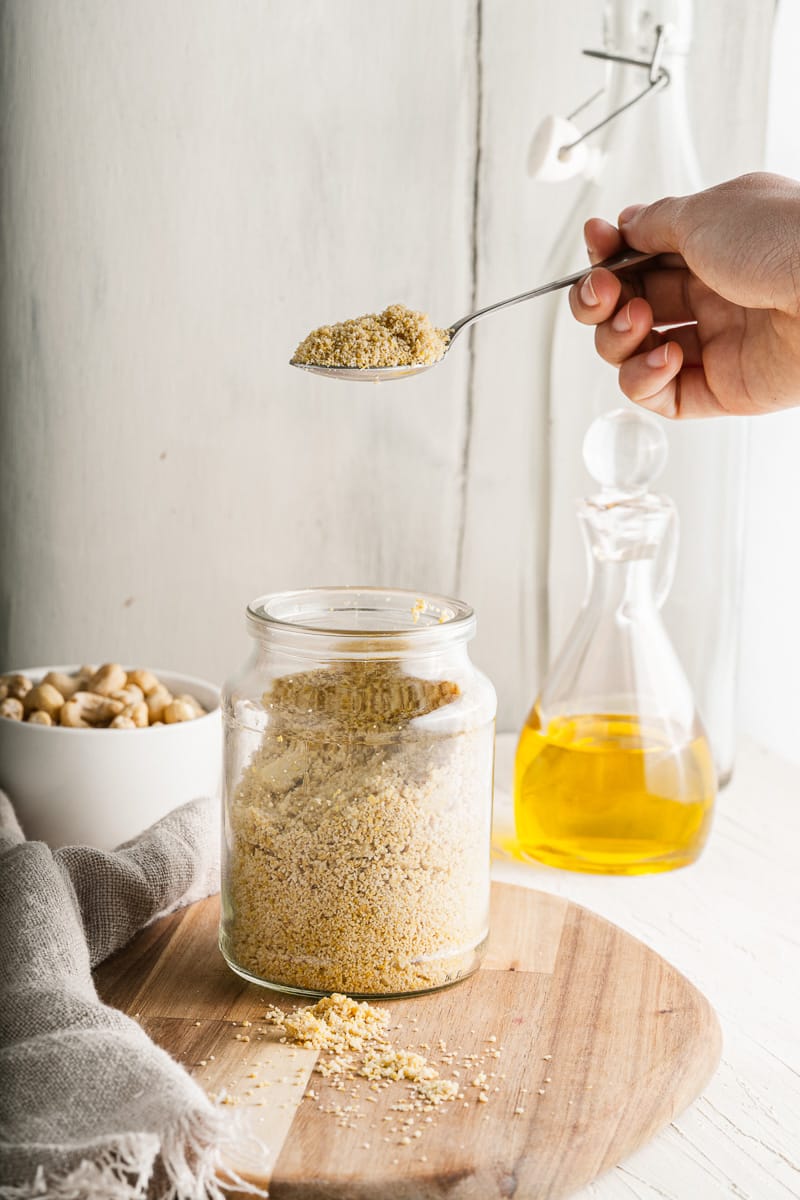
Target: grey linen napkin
{"points": [[90, 1108]]}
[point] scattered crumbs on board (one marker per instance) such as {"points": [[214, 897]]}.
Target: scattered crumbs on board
{"points": [[359, 1060]]}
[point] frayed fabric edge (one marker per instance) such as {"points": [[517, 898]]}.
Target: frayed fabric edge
{"points": [[191, 1157], [118, 1172], [187, 1158]]}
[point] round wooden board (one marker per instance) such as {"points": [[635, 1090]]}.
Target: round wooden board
{"points": [[601, 1043]]}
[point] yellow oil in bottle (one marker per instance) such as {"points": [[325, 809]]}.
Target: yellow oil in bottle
{"points": [[605, 793]]}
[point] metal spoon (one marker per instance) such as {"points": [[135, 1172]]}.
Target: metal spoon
{"points": [[618, 262]]}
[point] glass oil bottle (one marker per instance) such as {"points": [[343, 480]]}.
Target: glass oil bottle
{"points": [[614, 773]]}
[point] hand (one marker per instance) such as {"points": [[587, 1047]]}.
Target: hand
{"points": [[728, 278]]}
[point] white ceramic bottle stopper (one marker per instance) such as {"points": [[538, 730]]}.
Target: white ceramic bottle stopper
{"points": [[552, 157]]}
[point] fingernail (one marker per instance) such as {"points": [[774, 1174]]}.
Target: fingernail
{"points": [[622, 320], [659, 357], [588, 294], [629, 213]]}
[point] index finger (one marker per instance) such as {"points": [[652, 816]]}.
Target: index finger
{"points": [[601, 293], [602, 239]]}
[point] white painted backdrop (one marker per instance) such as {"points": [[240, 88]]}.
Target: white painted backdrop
{"points": [[189, 185]]}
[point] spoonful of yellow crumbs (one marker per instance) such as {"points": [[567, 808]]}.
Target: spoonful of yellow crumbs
{"points": [[397, 337], [400, 341]]}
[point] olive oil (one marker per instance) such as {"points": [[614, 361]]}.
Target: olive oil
{"points": [[608, 793], [614, 773]]}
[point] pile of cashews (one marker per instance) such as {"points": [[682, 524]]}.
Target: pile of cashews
{"points": [[106, 697]]}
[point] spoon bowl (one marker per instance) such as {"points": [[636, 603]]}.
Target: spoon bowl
{"points": [[369, 374], [619, 262]]}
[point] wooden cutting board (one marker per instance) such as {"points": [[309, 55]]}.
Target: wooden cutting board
{"points": [[597, 1040]]}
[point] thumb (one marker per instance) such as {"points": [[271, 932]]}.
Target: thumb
{"points": [[653, 227]]}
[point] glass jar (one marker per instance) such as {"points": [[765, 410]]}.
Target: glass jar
{"points": [[359, 754]]}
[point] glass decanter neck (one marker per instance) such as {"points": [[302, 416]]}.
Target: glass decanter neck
{"points": [[624, 529]]}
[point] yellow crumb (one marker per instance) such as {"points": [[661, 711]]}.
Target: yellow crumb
{"points": [[397, 337]]}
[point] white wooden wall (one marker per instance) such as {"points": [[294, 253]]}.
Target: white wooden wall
{"points": [[189, 186]]}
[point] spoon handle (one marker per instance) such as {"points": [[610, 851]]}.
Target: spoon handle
{"points": [[618, 262]]}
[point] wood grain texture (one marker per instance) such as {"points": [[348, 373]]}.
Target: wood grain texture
{"points": [[618, 1041]]}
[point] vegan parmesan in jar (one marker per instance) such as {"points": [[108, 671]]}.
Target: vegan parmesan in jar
{"points": [[397, 337], [358, 807]]}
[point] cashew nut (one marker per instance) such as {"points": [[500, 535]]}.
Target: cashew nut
{"points": [[157, 701], [146, 680], [44, 698], [131, 694], [18, 686], [178, 710], [137, 713], [87, 708], [193, 703], [111, 677], [71, 714], [68, 685], [122, 722], [40, 717], [11, 708]]}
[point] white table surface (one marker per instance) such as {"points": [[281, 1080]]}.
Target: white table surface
{"points": [[731, 924]]}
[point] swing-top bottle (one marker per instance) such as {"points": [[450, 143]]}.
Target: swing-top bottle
{"points": [[649, 153]]}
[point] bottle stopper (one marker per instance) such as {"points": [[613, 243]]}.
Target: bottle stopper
{"points": [[557, 152], [625, 451]]}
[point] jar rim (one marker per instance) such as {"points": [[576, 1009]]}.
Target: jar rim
{"points": [[366, 618]]}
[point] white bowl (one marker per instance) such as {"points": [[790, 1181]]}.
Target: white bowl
{"points": [[101, 787]]}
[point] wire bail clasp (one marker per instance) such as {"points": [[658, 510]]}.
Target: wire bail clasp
{"points": [[559, 151], [658, 78]]}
